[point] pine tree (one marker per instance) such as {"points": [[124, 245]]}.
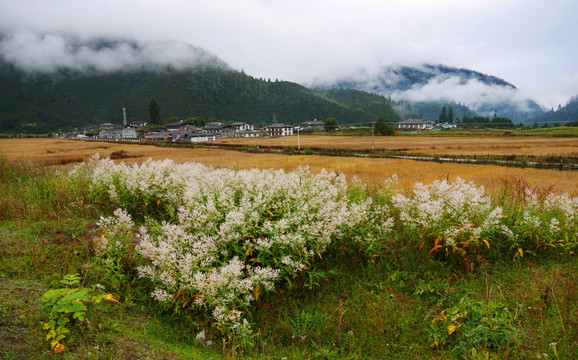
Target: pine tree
{"points": [[451, 115], [443, 118], [155, 113]]}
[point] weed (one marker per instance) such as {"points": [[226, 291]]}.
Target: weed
{"points": [[68, 308], [304, 322]]}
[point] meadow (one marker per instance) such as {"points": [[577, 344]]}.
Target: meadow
{"points": [[461, 146], [370, 171], [249, 256]]}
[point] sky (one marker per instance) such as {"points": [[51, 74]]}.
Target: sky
{"points": [[532, 44]]}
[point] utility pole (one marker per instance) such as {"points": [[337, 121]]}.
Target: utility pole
{"points": [[298, 141], [372, 136]]}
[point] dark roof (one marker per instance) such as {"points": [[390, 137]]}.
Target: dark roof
{"points": [[415, 121], [279, 126]]}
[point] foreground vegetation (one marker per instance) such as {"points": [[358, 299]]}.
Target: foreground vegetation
{"points": [[264, 264]]}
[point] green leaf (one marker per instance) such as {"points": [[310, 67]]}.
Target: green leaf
{"points": [[79, 316], [71, 279], [75, 295], [74, 307]]}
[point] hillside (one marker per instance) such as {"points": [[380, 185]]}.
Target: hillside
{"points": [[431, 85], [430, 110], [562, 116], [49, 102], [42, 96], [361, 101], [96, 78]]}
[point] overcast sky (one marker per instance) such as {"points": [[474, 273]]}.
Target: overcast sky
{"points": [[532, 44]]}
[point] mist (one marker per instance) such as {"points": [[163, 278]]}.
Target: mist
{"points": [[473, 93], [434, 83], [48, 53]]}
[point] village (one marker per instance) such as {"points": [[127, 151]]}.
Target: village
{"points": [[188, 132]]}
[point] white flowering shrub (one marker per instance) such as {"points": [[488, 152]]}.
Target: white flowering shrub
{"points": [[452, 221], [116, 259], [545, 224], [373, 236], [212, 242], [218, 239]]}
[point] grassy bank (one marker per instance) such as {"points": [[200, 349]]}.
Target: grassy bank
{"points": [[407, 295]]}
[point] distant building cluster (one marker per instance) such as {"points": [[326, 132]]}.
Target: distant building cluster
{"points": [[420, 124], [184, 131]]}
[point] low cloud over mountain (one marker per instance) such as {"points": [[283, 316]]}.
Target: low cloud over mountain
{"points": [[48, 53], [33, 52], [482, 93]]}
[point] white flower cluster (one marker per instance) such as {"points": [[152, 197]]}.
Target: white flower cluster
{"points": [[552, 219], [112, 227], [457, 211], [234, 233], [220, 238]]}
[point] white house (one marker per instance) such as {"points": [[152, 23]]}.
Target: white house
{"points": [[214, 127], [248, 133], [242, 126], [201, 137], [415, 124], [278, 130]]}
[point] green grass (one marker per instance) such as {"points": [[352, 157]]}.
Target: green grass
{"points": [[387, 308], [562, 131]]}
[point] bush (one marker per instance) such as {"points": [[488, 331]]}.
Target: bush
{"points": [[545, 225], [455, 222], [213, 241]]}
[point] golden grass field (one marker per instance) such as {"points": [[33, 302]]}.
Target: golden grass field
{"points": [[428, 145], [369, 170]]}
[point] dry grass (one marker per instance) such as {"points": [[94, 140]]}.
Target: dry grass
{"points": [[427, 145], [371, 171]]}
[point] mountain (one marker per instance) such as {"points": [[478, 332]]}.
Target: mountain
{"points": [[46, 102], [39, 97], [372, 104], [562, 116], [430, 110], [439, 84], [52, 82]]}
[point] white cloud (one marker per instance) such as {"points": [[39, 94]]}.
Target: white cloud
{"points": [[49, 53], [527, 42], [474, 93]]}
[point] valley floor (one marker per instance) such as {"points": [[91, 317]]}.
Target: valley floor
{"points": [[372, 171]]}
